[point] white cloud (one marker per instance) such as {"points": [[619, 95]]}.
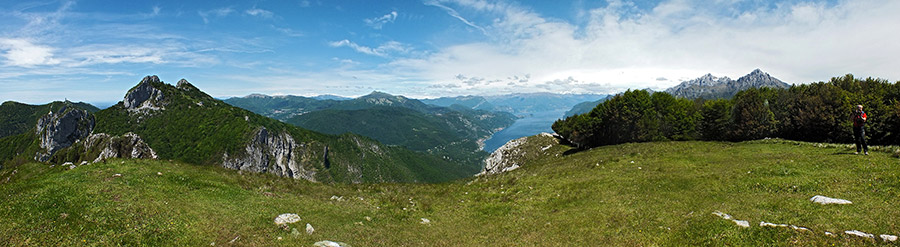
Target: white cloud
{"points": [[156, 10], [382, 50], [219, 12], [379, 22], [621, 46], [20, 52], [288, 31], [259, 12], [452, 12]]}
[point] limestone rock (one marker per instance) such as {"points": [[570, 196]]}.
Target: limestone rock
{"points": [[275, 153], [327, 243], [828, 200], [286, 219], [128, 145], [144, 95], [860, 234], [61, 129], [888, 238], [741, 223], [309, 229], [511, 155]]}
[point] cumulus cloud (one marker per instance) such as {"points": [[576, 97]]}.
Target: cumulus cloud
{"points": [[24, 53], [621, 46], [379, 22]]}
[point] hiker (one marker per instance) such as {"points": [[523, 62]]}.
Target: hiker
{"points": [[859, 129]]}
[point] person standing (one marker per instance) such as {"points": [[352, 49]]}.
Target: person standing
{"points": [[859, 119]]}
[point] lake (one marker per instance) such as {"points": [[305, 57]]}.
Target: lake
{"points": [[530, 125]]}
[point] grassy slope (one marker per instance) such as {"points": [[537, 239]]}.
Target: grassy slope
{"points": [[596, 197]]}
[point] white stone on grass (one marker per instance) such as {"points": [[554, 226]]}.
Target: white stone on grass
{"points": [[828, 200], [309, 229], [742, 223], [796, 228], [327, 243], [860, 234], [425, 221], [286, 219], [888, 238]]}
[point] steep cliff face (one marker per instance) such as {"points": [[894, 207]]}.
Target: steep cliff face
{"points": [[144, 96], [61, 129], [129, 145], [519, 152], [275, 153]]}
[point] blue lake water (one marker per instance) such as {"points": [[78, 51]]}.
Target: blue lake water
{"points": [[531, 124]]}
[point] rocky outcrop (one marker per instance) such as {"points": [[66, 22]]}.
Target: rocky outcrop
{"points": [[145, 96], [61, 129], [185, 85], [515, 153], [275, 153], [129, 145]]}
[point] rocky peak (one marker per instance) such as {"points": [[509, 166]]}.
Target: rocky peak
{"points": [[758, 78], [185, 85], [144, 95], [60, 129]]}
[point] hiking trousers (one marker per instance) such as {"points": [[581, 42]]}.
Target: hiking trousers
{"points": [[859, 134]]}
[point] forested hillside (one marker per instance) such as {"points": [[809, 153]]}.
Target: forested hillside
{"points": [[817, 112]]}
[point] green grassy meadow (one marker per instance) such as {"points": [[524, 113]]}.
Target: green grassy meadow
{"points": [[639, 194]]}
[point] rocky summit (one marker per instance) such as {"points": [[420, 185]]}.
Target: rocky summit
{"points": [[60, 129], [145, 95], [185, 85], [709, 86]]}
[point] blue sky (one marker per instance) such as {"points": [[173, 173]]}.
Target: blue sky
{"points": [[96, 50]]}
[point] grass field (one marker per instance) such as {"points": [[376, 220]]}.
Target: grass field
{"points": [[644, 194]]}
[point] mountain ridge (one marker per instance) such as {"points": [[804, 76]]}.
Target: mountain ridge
{"points": [[709, 86], [183, 123]]}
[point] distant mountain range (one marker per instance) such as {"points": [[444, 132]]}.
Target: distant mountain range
{"points": [[521, 103], [454, 133], [709, 86]]}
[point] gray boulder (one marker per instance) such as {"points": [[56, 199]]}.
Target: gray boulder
{"points": [[61, 129], [144, 95]]}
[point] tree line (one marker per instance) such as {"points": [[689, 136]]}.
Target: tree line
{"points": [[816, 112]]}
